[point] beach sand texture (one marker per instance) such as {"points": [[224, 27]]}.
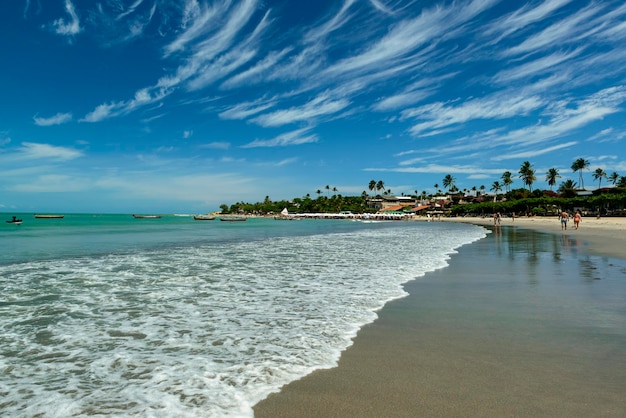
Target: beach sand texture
{"points": [[523, 323]]}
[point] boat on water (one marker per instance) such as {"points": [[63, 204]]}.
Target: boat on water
{"points": [[203, 217], [15, 221], [233, 218], [146, 216], [285, 216], [40, 216]]}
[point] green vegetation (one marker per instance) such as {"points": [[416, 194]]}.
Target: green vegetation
{"points": [[322, 204], [521, 201]]}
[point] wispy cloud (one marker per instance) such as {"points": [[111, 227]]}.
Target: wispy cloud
{"points": [[563, 32], [533, 153], [71, 26], [142, 98], [57, 119], [536, 67], [297, 137], [521, 18], [247, 109], [440, 169], [322, 105], [32, 150], [499, 106], [216, 145]]}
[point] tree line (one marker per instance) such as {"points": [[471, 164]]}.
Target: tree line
{"points": [[512, 200]]}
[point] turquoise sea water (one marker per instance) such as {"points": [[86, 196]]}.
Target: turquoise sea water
{"points": [[114, 316]]}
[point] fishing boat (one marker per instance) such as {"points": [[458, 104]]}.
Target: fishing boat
{"points": [[40, 216], [203, 217], [14, 221], [146, 216], [233, 218]]}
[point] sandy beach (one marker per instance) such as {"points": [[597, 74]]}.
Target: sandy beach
{"points": [[604, 236], [528, 322]]}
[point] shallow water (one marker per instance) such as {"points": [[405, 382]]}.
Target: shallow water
{"points": [[114, 316]]}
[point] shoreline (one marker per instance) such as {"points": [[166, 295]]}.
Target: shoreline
{"points": [[602, 237], [456, 346]]}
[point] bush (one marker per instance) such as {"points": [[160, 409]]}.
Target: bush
{"points": [[538, 211]]}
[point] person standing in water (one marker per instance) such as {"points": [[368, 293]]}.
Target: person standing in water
{"points": [[577, 218], [564, 217]]}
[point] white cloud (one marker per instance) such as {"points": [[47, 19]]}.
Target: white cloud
{"points": [[246, 109], [57, 119], [320, 106], [524, 16], [297, 137], [71, 27], [563, 32], [31, 150], [498, 106], [216, 145], [533, 153]]}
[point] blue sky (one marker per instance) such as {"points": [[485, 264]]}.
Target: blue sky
{"points": [[180, 106]]}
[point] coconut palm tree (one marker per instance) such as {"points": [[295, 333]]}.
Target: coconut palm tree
{"points": [[614, 177], [567, 185], [372, 185], [380, 186], [507, 180], [551, 176], [580, 165], [527, 174], [436, 186], [496, 187], [599, 174], [448, 182]]}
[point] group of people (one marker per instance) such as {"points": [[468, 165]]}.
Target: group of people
{"points": [[565, 217]]}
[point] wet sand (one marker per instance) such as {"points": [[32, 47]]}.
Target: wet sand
{"points": [[521, 324]]}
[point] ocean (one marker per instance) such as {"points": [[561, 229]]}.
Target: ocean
{"points": [[109, 315]]}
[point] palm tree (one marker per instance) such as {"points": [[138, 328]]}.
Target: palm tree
{"points": [[448, 182], [380, 185], [598, 175], [614, 177], [507, 180], [319, 192], [551, 176], [372, 185], [436, 186], [327, 189], [496, 187], [567, 186], [334, 190], [527, 174], [580, 165]]}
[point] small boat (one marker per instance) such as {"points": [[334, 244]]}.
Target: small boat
{"points": [[39, 216], [233, 218], [146, 216], [285, 216], [203, 217], [14, 221]]}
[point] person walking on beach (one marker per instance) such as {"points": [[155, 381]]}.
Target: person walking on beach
{"points": [[496, 219], [577, 219], [564, 217]]}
